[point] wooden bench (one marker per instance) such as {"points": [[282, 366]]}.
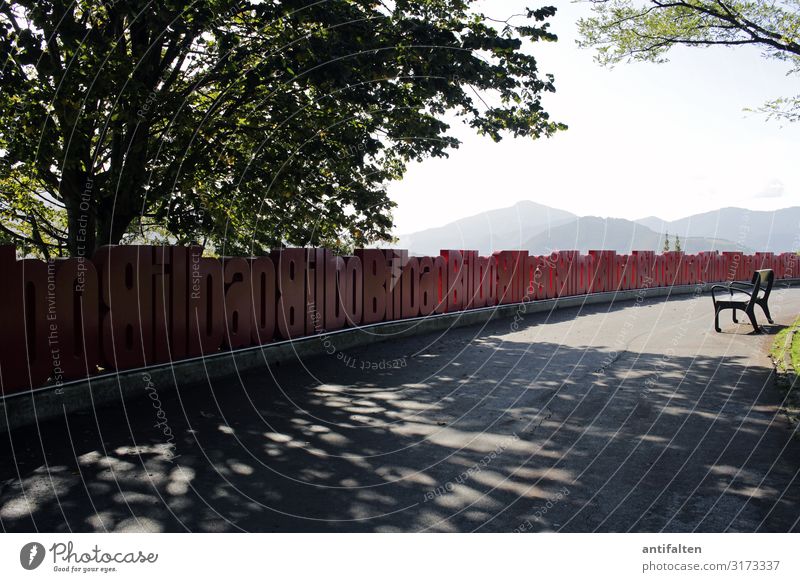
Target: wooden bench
{"points": [[756, 293]]}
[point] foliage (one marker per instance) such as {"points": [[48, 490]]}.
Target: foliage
{"points": [[246, 124], [645, 30]]}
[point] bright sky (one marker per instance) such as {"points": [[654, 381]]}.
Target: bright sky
{"points": [[668, 140]]}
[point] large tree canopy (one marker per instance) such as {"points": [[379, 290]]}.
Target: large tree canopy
{"points": [[645, 30], [245, 123]]}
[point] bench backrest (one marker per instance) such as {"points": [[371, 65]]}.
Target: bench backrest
{"points": [[763, 280]]}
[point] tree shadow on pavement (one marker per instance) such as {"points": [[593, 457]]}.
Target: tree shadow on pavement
{"points": [[470, 430]]}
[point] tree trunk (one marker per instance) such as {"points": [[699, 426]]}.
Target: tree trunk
{"points": [[111, 229], [121, 203], [77, 192]]}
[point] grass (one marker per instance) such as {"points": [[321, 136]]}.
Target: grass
{"points": [[785, 354]]}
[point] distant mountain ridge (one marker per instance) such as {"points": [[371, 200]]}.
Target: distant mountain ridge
{"points": [[592, 232], [541, 229], [503, 228], [763, 230]]}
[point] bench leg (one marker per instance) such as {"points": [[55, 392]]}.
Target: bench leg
{"points": [[752, 317], [766, 312], [734, 317], [716, 320]]}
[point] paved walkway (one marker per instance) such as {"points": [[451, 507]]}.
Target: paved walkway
{"points": [[615, 418]]}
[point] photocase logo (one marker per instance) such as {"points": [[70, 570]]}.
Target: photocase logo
{"points": [[31, 555]]}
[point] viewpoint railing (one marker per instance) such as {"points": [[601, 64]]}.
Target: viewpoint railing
{"points": [[134, 306]]}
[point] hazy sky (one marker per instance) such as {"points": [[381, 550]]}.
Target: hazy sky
{"points": [[644, 139]]}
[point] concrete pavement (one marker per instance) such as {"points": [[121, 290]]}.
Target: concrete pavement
{"points": [[629, 417]]}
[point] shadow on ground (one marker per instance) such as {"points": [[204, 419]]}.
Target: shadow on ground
{"points": [[477, 429]]}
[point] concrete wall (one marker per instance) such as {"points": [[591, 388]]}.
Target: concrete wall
{"points": [[48, 402]]}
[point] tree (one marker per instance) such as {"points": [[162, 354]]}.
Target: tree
{"points": [[677, 244], [249, 124], [666, 243], [639, 30]]}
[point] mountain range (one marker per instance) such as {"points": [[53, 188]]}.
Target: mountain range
{"points": [[503, 228], [541, 229]]}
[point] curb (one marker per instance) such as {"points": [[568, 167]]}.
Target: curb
{"points": [[18, 410]]}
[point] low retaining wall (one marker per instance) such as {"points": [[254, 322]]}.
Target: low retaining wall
{"points": [[48, 402], [131, 306]]}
